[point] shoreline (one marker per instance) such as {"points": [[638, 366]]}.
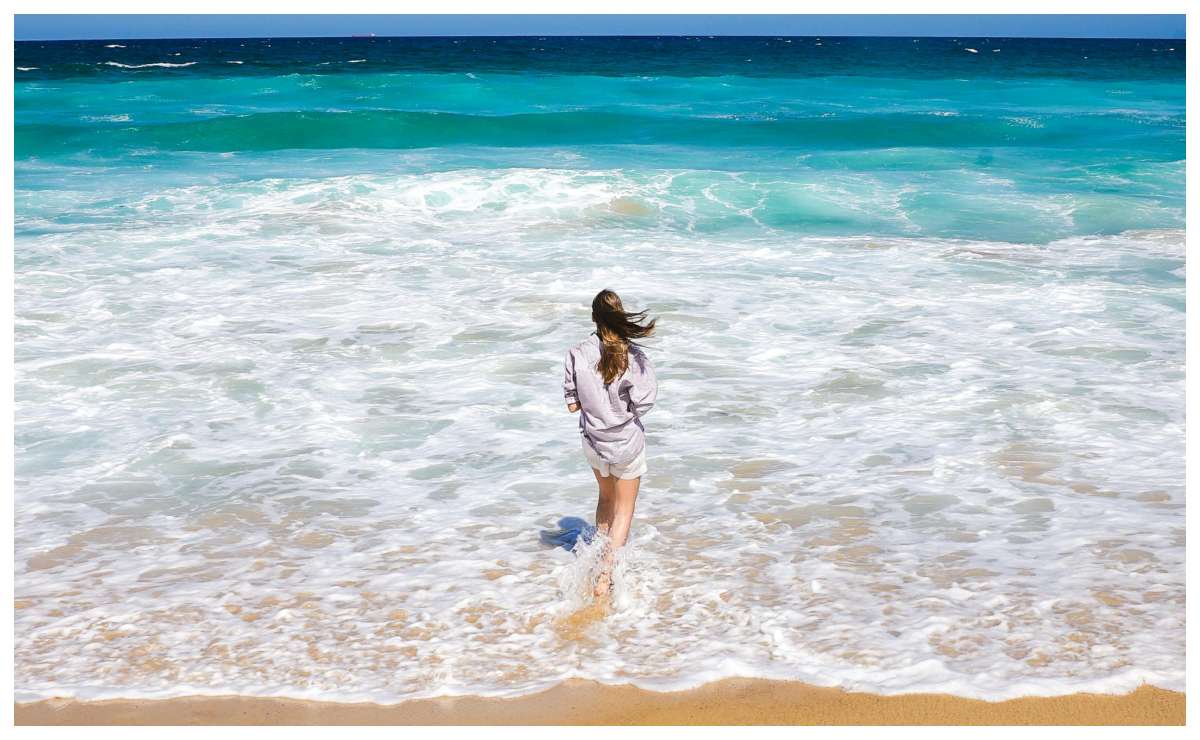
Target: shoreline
{"points": [[729, 701]]}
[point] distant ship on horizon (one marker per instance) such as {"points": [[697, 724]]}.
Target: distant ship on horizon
{"points": [[362, 36]]}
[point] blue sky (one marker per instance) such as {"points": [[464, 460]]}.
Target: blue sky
{"points": [[29, 27]]}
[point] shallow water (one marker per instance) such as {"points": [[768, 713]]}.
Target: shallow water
{"points": [[289, 420]]}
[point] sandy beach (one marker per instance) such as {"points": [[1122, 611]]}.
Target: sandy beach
{"points": [[732, 702]]}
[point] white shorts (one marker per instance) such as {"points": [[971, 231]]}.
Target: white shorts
{"points": [[635, 468]]}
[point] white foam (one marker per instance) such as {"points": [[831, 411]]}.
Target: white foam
{"points": [[296, 436], [151, 64]]}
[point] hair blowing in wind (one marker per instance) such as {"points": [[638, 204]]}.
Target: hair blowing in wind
{"points": [[616, 328]]}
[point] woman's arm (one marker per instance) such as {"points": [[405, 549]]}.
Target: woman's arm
{"points": [[569, 392], [643, 384]]}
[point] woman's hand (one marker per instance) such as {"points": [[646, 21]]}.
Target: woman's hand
{"points": [[572, 407]]}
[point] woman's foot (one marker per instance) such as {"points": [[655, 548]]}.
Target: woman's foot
{"points": [[603, 585]]}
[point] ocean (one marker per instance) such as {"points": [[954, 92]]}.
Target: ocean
{"points": [[290, 317]]}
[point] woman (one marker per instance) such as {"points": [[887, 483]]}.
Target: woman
{"points": [[610, 381]]}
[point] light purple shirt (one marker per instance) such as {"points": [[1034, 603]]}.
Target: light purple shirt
{"points": [[610, 416]]}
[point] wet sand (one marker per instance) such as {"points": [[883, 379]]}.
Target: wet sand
{"points": [[728, 702]]}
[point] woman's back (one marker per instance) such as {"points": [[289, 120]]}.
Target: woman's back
{"points": [[610, 414]]}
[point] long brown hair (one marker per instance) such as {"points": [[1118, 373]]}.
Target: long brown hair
{"points": [[616, 328]]}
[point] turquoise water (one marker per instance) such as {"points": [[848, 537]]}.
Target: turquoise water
{"points": [[1023, 141], [921, 362]]}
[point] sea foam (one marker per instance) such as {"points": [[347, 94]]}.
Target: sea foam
{"points": [[888, 464]]}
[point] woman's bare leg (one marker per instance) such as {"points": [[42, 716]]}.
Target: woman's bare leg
{"points": [[624, 499], [604, 503]]}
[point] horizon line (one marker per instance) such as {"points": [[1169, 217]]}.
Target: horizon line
{"points": [[369, 36]]}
